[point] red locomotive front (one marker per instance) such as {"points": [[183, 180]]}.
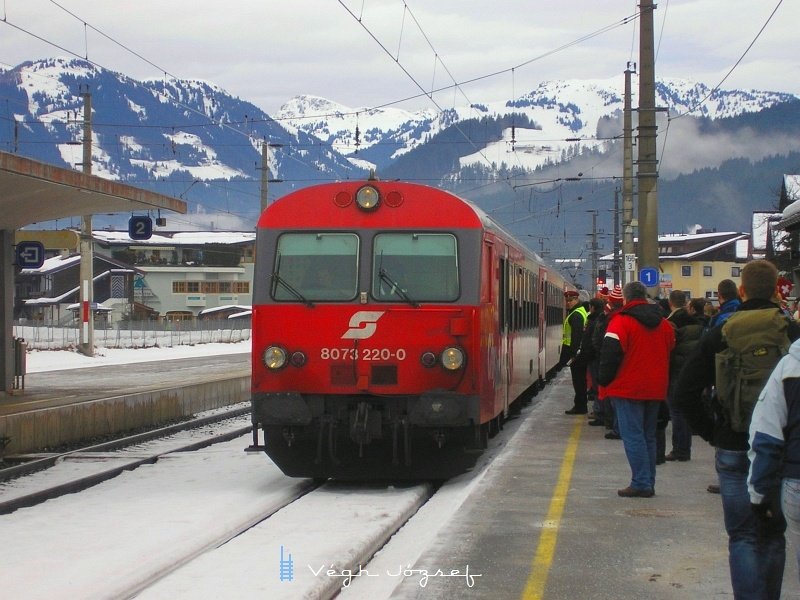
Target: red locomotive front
{"points": [[375, 336]]}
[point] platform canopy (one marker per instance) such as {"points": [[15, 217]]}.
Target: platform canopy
{"points": [[34, 192]]}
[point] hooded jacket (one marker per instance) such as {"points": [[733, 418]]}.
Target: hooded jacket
{"points": [[699, 373], [775, 429], [634, 359]]}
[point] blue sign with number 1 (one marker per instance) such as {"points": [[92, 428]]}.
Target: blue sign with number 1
{"points": [[649, 277]]}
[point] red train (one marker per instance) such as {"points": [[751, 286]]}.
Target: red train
{"points": [[394, 325]]}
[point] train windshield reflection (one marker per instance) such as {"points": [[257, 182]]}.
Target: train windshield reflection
{"points": [[422, 267], [318, 266]]}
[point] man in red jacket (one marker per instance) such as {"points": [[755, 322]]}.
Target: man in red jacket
{"points": [[634, 367]]}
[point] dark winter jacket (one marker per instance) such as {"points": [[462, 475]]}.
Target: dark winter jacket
{"points": [[699, 372], [688, 331], [634, 360]]}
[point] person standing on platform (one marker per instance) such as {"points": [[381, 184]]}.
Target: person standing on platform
{"points": [[756, 556], [570, 344], [729, 302], [634, 367], [775, 450], [614, 302], [688, 331]]}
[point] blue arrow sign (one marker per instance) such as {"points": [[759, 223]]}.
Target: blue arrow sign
{"points": [[649, 277], [29, 255]]}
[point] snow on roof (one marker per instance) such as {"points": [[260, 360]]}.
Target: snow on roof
{"points": [[177, 238], [53, 264], [208, 311], [740, 239], [717, 246], [241, 315]]}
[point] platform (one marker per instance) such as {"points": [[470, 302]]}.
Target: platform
{"points": [[59, 407], [542, 525]]}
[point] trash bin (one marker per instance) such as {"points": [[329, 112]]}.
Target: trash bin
{"points": [[20, 363]]}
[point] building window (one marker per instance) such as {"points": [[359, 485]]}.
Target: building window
{"points": [[686, 271], [210, 287], [707, 271], [736, 271]]}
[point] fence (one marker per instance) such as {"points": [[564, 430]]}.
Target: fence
{"points": [[136, 334]]}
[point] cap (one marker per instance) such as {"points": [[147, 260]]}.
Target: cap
{"points": [[615, 297], [570, 294]]}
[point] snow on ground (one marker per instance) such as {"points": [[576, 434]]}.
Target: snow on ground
{"points": [[57, 360]]}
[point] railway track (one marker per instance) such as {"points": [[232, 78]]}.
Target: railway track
{"points": [[221, 522], [107, 461]]}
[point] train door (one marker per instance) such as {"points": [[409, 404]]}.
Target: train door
{"points": [[506, 327], [543, 304]]}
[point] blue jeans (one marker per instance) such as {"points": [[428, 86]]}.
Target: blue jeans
{"points": [[637, 426], [791, 510], [681, 432], [756, 556]]}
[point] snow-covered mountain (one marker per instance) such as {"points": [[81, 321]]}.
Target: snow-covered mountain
{"points": [[193, 140], [558, 110]]}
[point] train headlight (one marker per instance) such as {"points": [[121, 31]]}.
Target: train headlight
{"points": [[452, 358], [368, 198], [274, 358]]}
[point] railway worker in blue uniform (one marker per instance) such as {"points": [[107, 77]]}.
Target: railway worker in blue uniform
{"points": [[775, 450], [634, 367], [570, 344]]}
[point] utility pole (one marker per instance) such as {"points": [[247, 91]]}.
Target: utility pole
{"points": [[593, 246], [265, 180], [647, 174], [86, 290], [615, 266], [629, 274]]}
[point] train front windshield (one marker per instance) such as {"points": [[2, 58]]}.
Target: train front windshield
{"points": [[418, 267], [316, 266], [406, 267]]}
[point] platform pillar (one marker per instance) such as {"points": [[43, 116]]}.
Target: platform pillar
{"points": [[7, 312]]}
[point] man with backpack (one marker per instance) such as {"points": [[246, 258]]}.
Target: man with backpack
{"points": [[738, 357]]}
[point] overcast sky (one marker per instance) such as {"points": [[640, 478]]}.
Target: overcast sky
{"points": [[267, 52]]}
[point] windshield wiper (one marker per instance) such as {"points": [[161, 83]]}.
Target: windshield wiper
{"points": [[395, 287], [278, 279]]}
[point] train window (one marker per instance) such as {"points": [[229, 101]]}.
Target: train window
{"points": [[417, 267], [316, 267]]}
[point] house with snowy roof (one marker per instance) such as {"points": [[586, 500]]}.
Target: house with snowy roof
{"points": [[697, 262], [788, 222], [50, 292], [172, 275]]}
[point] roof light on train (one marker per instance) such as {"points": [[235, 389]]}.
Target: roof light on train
{"points": [[368, 197], [452, 358], [274, 358]]}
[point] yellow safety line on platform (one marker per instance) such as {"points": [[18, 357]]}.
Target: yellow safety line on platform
{"points": [[540, 568]]}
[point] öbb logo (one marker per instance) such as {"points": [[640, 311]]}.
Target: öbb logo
{"points": [[363, 324]]}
